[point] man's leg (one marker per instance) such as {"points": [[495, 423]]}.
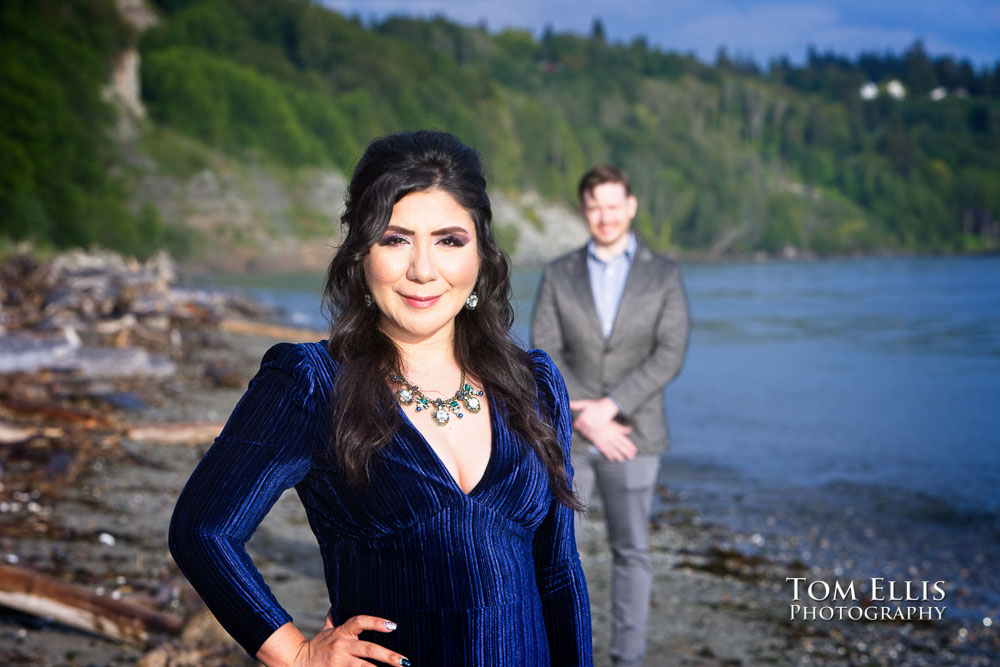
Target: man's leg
{"points": [[627, 490]]}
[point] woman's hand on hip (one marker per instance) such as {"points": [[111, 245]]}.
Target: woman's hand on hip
{"points": [[333, 646], [339, 645]]}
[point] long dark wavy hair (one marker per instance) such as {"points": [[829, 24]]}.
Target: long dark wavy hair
{"points": [[364, 406]]}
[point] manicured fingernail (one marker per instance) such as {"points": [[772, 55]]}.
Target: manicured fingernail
{"points": [[403, 662], [390, 626]]}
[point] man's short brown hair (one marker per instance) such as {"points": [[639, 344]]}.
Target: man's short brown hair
{"points": [[600, 175]]}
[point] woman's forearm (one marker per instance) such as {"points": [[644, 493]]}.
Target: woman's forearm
{"points": [[281, 648]]}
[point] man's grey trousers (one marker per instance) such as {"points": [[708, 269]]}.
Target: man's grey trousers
{"points": [[626, 489]]}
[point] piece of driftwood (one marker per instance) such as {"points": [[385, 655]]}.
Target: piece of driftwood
{"points": [[170, 656], [30, 354], [49, 412], [203, 641], [12, 434], [181, 433], [40, 595], [290, 334]]}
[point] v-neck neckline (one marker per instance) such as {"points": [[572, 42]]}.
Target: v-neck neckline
{"points": [[443, 469]]}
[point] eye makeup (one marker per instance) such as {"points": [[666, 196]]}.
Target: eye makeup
{"points": [[454, 240], [392, 238], [454, 237]]}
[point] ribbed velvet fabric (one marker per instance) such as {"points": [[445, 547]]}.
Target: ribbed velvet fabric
{"points": [[491, 578]]}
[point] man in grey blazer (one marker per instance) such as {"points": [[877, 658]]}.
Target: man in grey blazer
{"points": [[614, 317]]}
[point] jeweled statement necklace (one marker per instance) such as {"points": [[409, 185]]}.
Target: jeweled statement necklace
{"points": [[441, 408]]}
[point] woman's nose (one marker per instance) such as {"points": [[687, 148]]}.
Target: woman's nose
{"points": [[422, 268]]}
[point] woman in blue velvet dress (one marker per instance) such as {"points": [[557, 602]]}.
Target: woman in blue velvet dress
{"points": [[430, 452]]}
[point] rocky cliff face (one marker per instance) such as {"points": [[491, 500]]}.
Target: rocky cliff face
{"points": [[543, 230], [250, 217], [137, 13], [124, 90], [254, 217]]}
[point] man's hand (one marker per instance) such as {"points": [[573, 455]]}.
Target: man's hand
{"points": [[595, 421], [613, 442], [594, 414]]}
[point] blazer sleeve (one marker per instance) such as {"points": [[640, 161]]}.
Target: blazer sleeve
{"points": [[547, 332], [264, 449], [669, 347], [558, 572]]}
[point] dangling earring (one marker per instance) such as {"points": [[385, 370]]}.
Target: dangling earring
{"points": [[472, 301], [369, 301]]}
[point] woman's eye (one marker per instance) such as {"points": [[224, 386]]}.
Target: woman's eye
{"points": [[452, 241], [393, 239]]}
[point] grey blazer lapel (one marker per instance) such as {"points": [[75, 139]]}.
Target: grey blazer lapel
{"points": [[636, 284], [580, 277]]}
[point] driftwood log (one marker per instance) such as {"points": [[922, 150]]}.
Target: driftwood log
{"points": [[47, 413], [40, 595], [13, 434], [180, 433], [290, 334]]}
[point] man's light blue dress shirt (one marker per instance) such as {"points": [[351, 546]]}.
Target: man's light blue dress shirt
{"points": [[607, 281]]}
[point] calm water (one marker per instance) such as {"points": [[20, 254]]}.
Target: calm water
{"points": [[843, 412], [848, 413]]}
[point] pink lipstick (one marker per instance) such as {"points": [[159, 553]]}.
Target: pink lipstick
{"points": [[421, 301]]}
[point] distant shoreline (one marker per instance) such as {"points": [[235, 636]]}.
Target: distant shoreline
{"points": [[267, 264]]}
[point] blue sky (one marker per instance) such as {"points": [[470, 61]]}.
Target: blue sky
{"points": [[758, 29]]}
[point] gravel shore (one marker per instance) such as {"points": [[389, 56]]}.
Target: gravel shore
{"points": [[711, 605]]}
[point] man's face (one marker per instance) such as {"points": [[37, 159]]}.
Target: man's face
{"points": [[608, 210]]}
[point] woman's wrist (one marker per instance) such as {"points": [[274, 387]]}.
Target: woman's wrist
{"points": [[283, 648]]}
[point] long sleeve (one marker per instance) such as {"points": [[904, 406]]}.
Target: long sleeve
{"points": [[264, 449], [672, 328], [558, 572], [547, 334]]}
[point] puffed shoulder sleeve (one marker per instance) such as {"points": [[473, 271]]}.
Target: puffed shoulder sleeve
{"points": [[561, 584], [264, 449]]}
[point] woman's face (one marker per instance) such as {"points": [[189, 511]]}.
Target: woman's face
{"points": [[424, 267]]}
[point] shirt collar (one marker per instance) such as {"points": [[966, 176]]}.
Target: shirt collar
{"points": [[629, 252]]}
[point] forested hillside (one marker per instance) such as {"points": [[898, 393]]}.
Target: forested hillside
{"points": [[726, 158]]}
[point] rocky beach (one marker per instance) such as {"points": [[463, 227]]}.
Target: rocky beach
{"points": [[95, 450]]}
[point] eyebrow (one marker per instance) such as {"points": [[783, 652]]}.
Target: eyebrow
{"points": [[437, 232]]}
